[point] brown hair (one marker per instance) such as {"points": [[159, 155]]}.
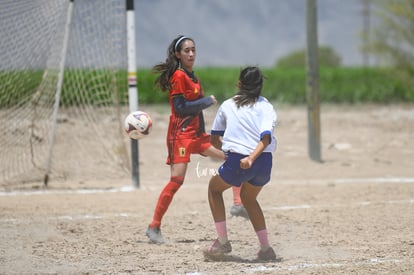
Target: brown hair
{"points": [[250, 86], [167, 68]]}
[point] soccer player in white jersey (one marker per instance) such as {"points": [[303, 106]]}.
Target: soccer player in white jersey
{"points": [[243, 128]]}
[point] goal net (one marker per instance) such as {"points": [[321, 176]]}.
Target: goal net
{"points": [[66, 123]]}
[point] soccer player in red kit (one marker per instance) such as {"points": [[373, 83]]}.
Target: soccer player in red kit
{"points": [[186, 130]]}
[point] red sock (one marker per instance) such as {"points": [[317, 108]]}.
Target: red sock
{"points": [[164, 200]]}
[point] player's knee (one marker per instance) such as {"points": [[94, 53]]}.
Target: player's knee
{"points": [[177, 179], [175, 184], [247, 198], [217, 185]]}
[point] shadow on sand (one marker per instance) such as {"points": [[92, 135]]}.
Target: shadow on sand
{"points": [[233, 258]]}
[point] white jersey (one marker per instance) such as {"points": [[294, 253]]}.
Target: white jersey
{"points": [[242, 128]]}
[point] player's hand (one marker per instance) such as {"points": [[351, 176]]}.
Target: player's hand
{"points": [[214, 99], [246, 163]]}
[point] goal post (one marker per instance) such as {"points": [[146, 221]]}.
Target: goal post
{"points": [[132, 86], [312, 82], [70, 95], [58, 91]]}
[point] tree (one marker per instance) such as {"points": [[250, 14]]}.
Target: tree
{"points": [[327, 58], [392, 40]]}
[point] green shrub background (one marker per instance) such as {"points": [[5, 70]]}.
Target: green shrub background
{"points": [[288, 85], [336, 85]]}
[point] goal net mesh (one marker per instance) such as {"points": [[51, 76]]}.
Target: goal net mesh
{"points": [[88, 141]]}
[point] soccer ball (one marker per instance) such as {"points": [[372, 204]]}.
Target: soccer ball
{"points": [[138, 124]]}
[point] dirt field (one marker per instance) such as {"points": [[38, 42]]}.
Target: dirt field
{"points": [[352, 213]]}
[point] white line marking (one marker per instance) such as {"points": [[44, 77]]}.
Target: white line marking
{"points": [[135, 215], [276, 181], [302, 266], [375, 180], [364, 203], [67, 191], [344, 180], [291, 207], [373, 261], [70, 218]]}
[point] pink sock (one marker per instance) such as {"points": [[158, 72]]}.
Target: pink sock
{"points": [[221, 229], [236, 195], [264, 241]]}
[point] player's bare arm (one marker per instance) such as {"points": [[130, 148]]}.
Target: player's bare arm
{"points": [[247, 162], [215, 140]]}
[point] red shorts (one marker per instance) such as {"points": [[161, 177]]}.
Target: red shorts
{"points": [[179, 150]]}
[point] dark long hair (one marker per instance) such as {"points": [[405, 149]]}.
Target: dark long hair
{"points": [[167, 68], [250, 86]]}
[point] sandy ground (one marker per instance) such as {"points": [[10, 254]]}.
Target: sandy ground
{"points": [[353, 213]]}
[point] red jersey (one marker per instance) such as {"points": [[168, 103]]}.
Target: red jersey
{"points": [[184, 123]]}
